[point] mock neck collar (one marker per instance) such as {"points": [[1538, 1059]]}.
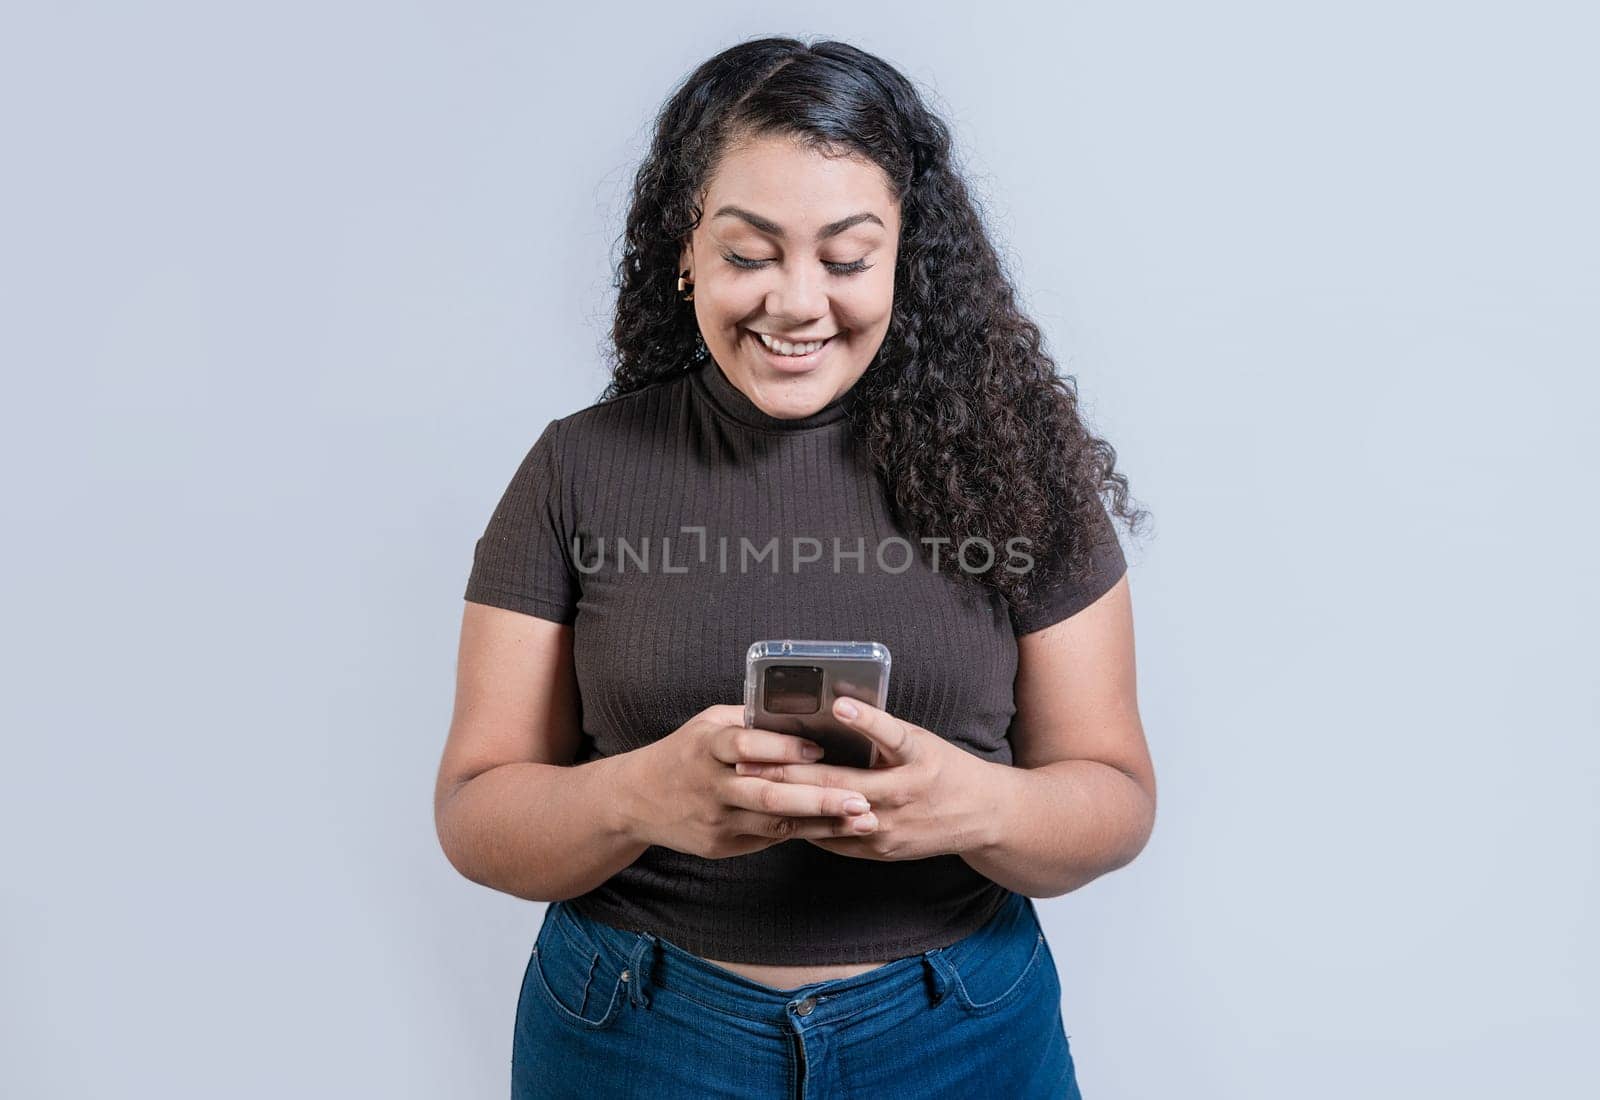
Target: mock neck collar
{"points": [[733, 403]]}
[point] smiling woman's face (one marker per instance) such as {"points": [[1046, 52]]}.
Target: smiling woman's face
{"points": [[800, 247]]}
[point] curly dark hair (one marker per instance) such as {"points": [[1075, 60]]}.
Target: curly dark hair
{"points": [[962, 412]]}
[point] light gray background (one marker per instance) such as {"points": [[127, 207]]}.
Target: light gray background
{"points": [[289, 289]]}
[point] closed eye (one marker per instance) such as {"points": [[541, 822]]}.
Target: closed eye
{"points": [[854, 267]]}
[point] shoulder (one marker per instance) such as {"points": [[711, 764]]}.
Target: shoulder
{"points": [[634, 417], [591, 444]]}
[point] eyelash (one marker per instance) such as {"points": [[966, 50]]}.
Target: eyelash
{"points": [[855, 267]]}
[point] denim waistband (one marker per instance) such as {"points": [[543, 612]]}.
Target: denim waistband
{"points": [[658, 962]]}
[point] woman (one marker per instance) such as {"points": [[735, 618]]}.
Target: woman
{"points": [[827, 420]]}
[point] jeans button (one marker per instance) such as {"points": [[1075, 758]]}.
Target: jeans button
{"points": [[804, 1007]]}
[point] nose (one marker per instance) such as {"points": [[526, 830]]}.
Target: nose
{"points": [[800, 297]]}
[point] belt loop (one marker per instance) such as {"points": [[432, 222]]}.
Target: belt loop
{"points": [[938, 968], [638, 970]]}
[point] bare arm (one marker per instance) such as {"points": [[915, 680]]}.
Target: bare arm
{"points": [[1081, 799], [511, 809]]}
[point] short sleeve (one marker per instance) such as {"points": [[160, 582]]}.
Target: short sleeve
{"points": [[521, 561], [1056, 596]]}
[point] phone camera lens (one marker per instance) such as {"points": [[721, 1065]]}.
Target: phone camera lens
{"points": [[793, 689]]}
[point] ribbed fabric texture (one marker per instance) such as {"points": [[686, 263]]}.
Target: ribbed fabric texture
{"points": [[661, 633]]}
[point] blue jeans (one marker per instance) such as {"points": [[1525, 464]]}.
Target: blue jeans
{"points": [[609, 1013]]}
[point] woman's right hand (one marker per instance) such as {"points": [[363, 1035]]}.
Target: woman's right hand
{"points": [[685, 794]]}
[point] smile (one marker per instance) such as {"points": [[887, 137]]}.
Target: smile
{"points": [[790, 356]]}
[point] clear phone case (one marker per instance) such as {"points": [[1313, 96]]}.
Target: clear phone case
{"points": [[790, 685]]}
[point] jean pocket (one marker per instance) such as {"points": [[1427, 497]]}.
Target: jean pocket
{"points": [[1001, 961], [584, 986]]}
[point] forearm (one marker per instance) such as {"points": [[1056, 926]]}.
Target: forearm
{"points": [[544, 832], [1055, 827]]}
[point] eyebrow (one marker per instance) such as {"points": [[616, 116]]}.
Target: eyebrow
{"points": [[773, 229]]}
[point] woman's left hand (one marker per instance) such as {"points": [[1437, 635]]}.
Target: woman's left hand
{"points": [[929, 796]]}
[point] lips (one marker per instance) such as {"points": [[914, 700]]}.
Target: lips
{"points": [[789, 364], [787, 340]]}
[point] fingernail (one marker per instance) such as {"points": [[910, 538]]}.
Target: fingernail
{"points": [[812, 752], [848, 709], [856, 805], [865, 822]]}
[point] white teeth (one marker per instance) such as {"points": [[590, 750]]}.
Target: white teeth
{"points": [[783, 348]]}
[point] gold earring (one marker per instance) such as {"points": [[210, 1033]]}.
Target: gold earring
{"points": [[686, 297]]}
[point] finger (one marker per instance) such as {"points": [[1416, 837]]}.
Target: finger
{"points": [[794, 799], [895, 739], [744, 743], [865, 780], [748, 823], [723, 714]]}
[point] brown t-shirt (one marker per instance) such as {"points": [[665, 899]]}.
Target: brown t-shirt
{"points": [[789, 535]]}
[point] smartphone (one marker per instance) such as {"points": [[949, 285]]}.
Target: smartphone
{"points": [[790, 685]]}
